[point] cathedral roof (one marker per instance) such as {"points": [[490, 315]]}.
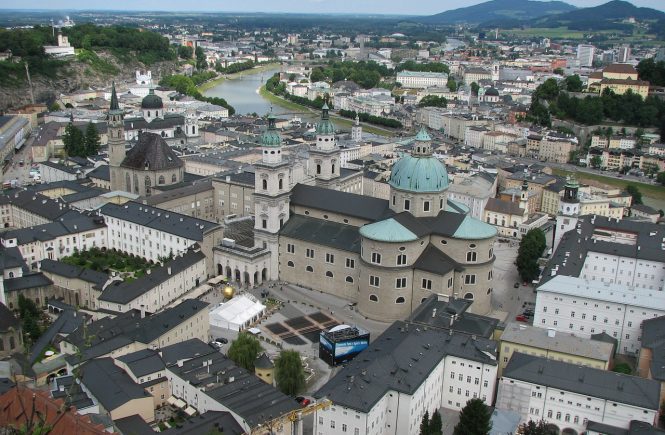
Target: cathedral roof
{"points": [[325, 125], [419, 174], [270, 137], [152, 153], [152, 101], [388, 230], [115, 107]]}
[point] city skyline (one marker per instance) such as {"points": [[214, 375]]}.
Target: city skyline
{"points": [[387, 7]]}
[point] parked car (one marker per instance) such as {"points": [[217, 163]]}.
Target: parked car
{"points": [[221, 340], [303, 401], [521, 318]]}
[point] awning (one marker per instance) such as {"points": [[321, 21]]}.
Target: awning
{"points": [[171, 400], [190, 411], [180, 403]]}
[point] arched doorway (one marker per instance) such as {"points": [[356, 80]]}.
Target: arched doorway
{"points": [[552, 429], [568, 431], [220, 269], [264, 274], [237, 275], [256, 277], [228, 272], [246, 278]]}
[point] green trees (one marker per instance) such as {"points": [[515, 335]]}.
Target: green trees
{"points": [[433, 101], [30, 314], [531, 248], [474, 419], [652, 71], [74, 141], [452, 85], [661, 178], [574, 83], [411, 65], [475, 87], [244, 350], [201, 63], [622, 368], [185, 52], [535, 428], [187, 85], [433, 426], [635, 193], [289, 373], [595, 162], [366, 117], [91, 140]]}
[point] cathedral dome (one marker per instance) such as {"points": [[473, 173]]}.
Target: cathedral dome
{"points": [[325, 125], [492, 92], [152, 101], [271, 138], [419, 174]]}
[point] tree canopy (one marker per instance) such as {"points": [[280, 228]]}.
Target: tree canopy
{"points": [[474, 419], [531, 248], [411, 65], [433, 101], [635, 193], [289, 373], [244, 350], [535, 428]]}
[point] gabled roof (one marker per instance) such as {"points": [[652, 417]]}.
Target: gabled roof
{"points": [[322, 232], [109, 384], [360, 206], [434, 261]]}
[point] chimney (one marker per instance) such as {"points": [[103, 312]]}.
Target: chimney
{"points": [[434, 313], [142, 311], [168, 270], [551, 332]]}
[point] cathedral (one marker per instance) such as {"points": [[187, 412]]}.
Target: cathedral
{"points": [[149, 163], [385, 255]]}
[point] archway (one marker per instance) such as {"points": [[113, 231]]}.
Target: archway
{"points": [[237, 275], [220, 269], [264, 274], [552, 429], [568, 431], [228, 272], [246, 278], [256, 277]]}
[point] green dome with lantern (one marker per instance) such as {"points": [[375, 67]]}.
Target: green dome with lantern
{"points": [[271, 138], [325, 126]]}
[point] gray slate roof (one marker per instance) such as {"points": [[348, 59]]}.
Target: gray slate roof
{"points": [[120, 292], [153, 153], [143, 362], [71, 271], [615, 387], [400, 360], [434, 261], [109, 384], [322, 232], [453, 315], [364, 207], [50, 231]]}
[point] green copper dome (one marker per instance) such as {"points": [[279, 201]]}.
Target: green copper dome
{"points": [[325, 126], [419, 174], [152, 101], [423, 136], [270, 137], [388, 230]]}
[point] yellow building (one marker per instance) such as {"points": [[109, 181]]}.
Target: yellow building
{"points": [[264, 369], [552, 344], [619, 77], [620, 87]]}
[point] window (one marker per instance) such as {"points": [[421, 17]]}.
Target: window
{"points": [[468, 296], [427, 284], [318, 169], [264, 223], [332, 424], [469, 279], [343, 428], [374, 281], [320, 420], [290, 264], [309, 269], [350, 263], [349, 279], [161, 179], [471, 256], [309, 253], [281, 184], [290, 248], [407, 204], [376, 258], [173, 178], [400, 283], [426, 206], [329, 274], [265, 184], [330, 258], [399, 300], [373, 298], [401, 259]]}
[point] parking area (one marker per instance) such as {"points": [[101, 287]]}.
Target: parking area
{"points": [[303, 329]]}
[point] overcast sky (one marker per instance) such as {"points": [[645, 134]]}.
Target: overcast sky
{"points": [[417, 7]]}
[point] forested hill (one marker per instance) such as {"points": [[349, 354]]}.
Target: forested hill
{"points": [[102, 54]]}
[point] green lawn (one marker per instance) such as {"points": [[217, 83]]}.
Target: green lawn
{"points": [[648, 190], [103, 261]]}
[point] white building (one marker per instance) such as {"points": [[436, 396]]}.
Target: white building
{"points": [[63, 48], [405, 372], [584, 307], [473, 191], [585, 54], [569, 396], [415, 79]]}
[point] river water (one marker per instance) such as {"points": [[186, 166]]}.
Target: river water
{"points": [[242, 93]]}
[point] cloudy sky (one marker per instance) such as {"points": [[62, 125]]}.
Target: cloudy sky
{"points": [[418, 7]]}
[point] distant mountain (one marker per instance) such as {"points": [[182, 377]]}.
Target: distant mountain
{"points": [[612, 11], [495, 10]]}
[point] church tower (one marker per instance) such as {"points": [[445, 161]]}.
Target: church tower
{"points": [[191, 123], [524, 197], [357, 131], [569, 211], [324, 163], [116, 141], [272, 190]]}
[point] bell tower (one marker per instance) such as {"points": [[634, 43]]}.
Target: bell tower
{"points": [[272, 189], [116, 140], [324, 160], [569, 210]]}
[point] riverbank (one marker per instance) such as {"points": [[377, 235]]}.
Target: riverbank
{"points": [[340, 121], [222, 77]]}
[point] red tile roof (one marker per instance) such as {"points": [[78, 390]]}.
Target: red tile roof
{"points": [[20, 407]]}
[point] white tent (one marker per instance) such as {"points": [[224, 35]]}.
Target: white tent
{"points": [[237, 313]]}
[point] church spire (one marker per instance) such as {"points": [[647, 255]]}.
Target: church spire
{"points": [[114, 98]]}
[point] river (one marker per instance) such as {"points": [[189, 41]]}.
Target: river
{"points": [[242, 93]]}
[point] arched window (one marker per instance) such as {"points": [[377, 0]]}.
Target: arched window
{"points": [[161, 179], [11, 274], [148, 185], [401, 259], [148, 113], [309, 269], [489, 291], [468, 296], [349, 279], [374, 298], [281, 184], [136, 184], [193, 129], [290, 264], [265, 184], [471, 256], [128, 182], [329, 274], [399, 300], [12, 343], [333, 168], [163, 134], [173, 178], [318, 169]]}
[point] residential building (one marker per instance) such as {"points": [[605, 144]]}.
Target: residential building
{"points": [[14, 131], [569, 396], [552, 344], [75, 285], [474, 191], [585, 54], [411, 371], [419, 80], [651, 357]]}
